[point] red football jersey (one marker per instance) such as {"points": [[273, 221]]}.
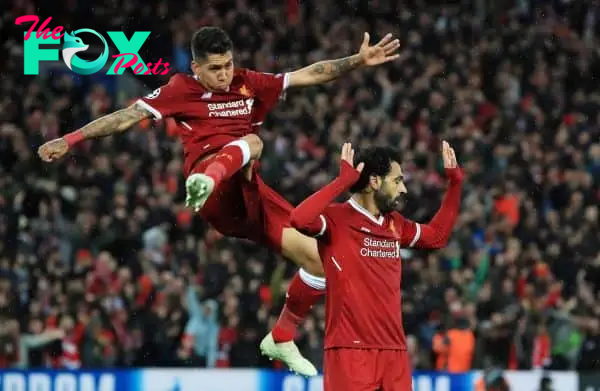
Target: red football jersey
{"points": [[209, 120], [361, 257]]}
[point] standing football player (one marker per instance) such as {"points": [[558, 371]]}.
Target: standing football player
{"points": [[359, 243]]}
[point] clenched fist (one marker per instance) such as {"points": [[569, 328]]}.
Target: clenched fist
{"points": [[53, 150]]}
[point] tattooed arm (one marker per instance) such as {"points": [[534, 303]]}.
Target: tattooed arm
{"points": [[324, 71], [116, 122]]}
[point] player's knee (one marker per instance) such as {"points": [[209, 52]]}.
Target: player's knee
{"points": [[256, 145]]}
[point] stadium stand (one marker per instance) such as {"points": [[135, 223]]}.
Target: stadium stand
{"points": [[102, 266]]}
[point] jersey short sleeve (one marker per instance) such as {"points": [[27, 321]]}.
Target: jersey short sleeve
{"points": [[326, 224], [167, 100], [320, 228], [323, 225], [268, 87], [411, 231]]}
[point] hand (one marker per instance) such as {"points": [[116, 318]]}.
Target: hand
{"points": [[57, 333], [449, 156], [382, 52], [53, 150], [348, 157], [453, 172]]}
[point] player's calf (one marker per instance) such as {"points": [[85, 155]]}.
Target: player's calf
{"points": [[255, 144], [305, 290], [248, 170], [307, 286]]}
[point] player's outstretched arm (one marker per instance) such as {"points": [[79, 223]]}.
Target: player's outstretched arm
{"points": [[325, 71], [307, 217], [436, 234], [116, 122]]}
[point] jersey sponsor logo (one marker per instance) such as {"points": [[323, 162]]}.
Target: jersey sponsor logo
{"points": [[153, 94], [373, 248], [236, 108]]}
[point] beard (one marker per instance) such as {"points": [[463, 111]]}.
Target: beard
{"points": [[385, 203]]}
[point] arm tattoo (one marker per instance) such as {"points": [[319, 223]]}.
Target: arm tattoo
{"points": [[116, 122], [332, 69]]}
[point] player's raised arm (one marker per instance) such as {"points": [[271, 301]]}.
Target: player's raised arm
{"points": [[116, 122], [307, 217], [436, 234], [325, 71], [166, 101]]}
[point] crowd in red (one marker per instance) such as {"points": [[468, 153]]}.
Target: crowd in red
{"points": [[100, 261]]}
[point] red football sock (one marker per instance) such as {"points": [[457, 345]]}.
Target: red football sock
{"points": [[299, 300], [228, 161]]}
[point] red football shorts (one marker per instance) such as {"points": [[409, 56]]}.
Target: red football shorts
{"points": [[366, 370], [247, 209]]}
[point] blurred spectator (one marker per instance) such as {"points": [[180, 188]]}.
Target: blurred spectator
{"points": [[201, 331], [455, 347], [590, 349]]}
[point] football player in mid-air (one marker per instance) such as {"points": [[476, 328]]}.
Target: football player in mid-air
{"points": [[218, 110]]}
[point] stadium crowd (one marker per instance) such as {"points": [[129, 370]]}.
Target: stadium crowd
{"points": [[102, 266]]}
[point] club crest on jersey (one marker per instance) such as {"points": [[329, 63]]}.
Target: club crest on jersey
{"points": [[245, 91], [249, 104]]}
